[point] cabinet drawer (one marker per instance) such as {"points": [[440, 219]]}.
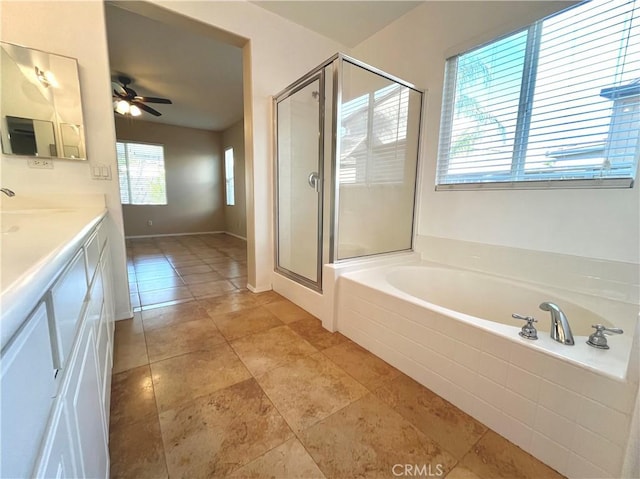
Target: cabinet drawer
{"points": [[27, 395], [67, 298]]}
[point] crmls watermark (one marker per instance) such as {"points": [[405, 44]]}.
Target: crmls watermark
{"points": [[418, 470]]}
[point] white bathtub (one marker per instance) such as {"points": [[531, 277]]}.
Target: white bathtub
{"points": [[452, 330], [485, 297]]}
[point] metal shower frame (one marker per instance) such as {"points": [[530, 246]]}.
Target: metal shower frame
{"points": [[337, 61]]}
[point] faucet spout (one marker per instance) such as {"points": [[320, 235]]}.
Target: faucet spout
{"points": [[8, 192], [560, 329]]}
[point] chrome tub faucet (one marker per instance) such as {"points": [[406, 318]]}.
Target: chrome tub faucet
{"points": [[8, 192], [560, 329]]}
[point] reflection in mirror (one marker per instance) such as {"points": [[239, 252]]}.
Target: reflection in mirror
{"points": [[41, 110], [71, 141], [31, 137]]}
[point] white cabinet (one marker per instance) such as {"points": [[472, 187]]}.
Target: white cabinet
{"points": [[28, 388], [105, 332], [83, 401], [67, 297], [58, 455], [58, 427]]}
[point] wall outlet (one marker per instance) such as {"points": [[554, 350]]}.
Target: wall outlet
{"points": [[149, 223], [46, 163]]}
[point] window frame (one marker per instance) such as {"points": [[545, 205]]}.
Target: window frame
{"points": [[129, 192], [515, 177], [229, 179]]}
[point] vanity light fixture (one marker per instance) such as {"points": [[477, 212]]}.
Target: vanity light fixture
{"points": [[47, 78]]}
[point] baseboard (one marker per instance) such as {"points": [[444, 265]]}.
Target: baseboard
{"points": [[123, 315], [257, 290], [178, 234], [235, 235]]}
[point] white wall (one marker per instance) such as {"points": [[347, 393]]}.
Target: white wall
{"points": [[193, 175], [74, 29], [601, 224]]}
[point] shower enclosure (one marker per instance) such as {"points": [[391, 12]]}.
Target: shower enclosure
{"points": [[346, 156]]}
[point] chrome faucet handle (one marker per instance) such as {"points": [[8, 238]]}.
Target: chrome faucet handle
{"points": [[598, 339], [528, 331], [8, 192]]}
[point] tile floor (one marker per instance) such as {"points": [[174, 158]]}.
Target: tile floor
{"points": [[211, 380]]}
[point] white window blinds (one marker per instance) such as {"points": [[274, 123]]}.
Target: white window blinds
{"points": [[141, 174], [559, 100], [374, 134]]}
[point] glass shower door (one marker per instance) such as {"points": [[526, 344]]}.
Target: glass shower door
{"points": [[299, 152]]}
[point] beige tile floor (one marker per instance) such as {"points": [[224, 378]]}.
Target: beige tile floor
{"points": [[211, 380]]}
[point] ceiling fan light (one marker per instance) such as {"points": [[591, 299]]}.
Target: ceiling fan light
{"points": [[123, 107], [134, 111]]}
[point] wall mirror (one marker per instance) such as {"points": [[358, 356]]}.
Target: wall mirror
{"points": [[40, 104]]}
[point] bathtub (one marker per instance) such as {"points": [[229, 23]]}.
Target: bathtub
{"points": [[481, 297], [452, 331]]}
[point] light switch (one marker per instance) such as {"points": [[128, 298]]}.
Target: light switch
{"points": [[96, 171], [105, 171]]}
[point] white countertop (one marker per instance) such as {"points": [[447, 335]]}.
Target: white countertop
{"points": [[36, 243]]}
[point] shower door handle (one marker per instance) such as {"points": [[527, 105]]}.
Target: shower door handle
{"points": [[314, 180]]}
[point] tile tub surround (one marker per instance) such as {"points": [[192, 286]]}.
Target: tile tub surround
{"points": [[614, 280], [573, 419], [297, 402]]}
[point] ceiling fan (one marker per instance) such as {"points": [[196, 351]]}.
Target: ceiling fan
{"points": [[127, 101]]}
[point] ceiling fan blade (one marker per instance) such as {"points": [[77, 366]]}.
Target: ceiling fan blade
{"points": [[131, 93], [118, 89], [152, 99], [146, 108]]}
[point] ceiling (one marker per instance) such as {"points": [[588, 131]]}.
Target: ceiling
{"points": [[202, 75], [348, 22]]}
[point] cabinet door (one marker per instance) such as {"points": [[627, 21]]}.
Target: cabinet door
{"points": [[59, 453], [105, 343], [107, 281], [68, 296], [85, 409], [28, 388]]}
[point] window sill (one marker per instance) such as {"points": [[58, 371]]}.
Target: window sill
{"points": [[541, 185]]}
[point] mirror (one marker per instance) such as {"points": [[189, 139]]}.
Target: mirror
{"points": [[40, 107]]}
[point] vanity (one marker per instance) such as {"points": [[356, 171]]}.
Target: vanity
{"points": [[56, 339]]}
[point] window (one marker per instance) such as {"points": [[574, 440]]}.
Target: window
{"points": [[559, 100], [229, 178], [373, 138], [141, 174]]}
